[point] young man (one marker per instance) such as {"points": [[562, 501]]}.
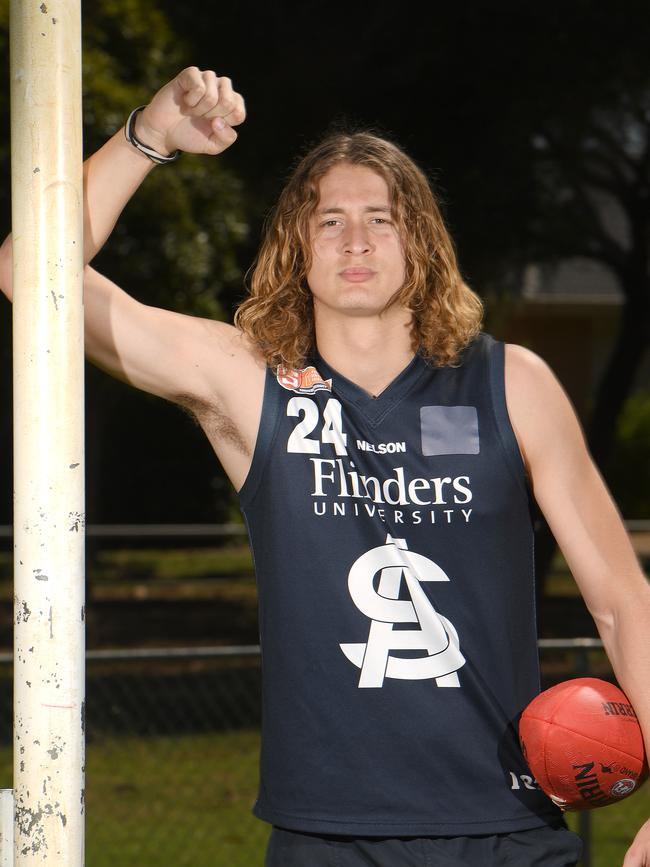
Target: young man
{"points": [[386, 452]]}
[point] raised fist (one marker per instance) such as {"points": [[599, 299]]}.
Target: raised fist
{"points": [[195, 112]]}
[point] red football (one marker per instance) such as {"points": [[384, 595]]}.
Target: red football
{"points": [[583, 743]]}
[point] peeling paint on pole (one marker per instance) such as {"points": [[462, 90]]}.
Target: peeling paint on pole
{"points": [[48, 432]]}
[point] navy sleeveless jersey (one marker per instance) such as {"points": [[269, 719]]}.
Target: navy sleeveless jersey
{"points": [[393, 546]]}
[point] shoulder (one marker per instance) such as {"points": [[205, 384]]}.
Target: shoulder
{"points": [[541, 413], [524, 367], [530, 380]]}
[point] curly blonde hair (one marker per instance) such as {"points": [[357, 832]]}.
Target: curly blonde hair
{"points": [[278, 313]]}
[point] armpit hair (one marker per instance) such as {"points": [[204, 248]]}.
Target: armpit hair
{"points": [[213, 421]]}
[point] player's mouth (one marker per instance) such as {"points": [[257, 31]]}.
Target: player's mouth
{"points": [[357, 275]]}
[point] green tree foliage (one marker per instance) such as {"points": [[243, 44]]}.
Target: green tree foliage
{"points": [[176, 244]]}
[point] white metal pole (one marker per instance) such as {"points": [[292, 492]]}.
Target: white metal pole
{"points": [[6, 827], [48, 431]]}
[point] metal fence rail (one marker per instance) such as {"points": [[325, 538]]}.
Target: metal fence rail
{"points": [[173, 739], [208, 531]]}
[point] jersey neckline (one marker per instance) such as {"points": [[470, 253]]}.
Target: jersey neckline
{"points": [[373, 408]]}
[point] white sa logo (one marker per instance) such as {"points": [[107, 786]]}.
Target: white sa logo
{"points": [[435, 635]]}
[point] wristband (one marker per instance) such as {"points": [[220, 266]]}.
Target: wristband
{"points": [[154, 156]]}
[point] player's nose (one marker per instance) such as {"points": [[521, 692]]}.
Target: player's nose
{"points": [[356, 239]]}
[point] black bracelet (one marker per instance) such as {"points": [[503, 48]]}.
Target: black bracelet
{"points": [[154, 156]]}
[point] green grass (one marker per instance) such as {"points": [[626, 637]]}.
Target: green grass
{"points": [[178, 573], [174, 800], [172, 564], [171, 801], [613, 828]]}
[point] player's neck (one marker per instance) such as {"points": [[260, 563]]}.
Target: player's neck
{"points": [[367, 353]]}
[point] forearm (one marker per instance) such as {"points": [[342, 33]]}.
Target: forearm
{"points": [[195, 112], [111, 176], [626, 642]]}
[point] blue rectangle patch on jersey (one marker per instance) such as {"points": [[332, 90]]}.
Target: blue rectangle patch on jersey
{"points": [[449, 430]]}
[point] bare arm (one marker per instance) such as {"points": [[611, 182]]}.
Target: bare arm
{"points": [[110, 177], [159, 351], [195, 112], [206, 366], [588, 527], [152, 349]]}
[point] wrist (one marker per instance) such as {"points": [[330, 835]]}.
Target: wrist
{"points": [[146, 140], [149, 136]]}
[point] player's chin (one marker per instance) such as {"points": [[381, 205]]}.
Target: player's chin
{"points": [[362, 309], [353, 302]]}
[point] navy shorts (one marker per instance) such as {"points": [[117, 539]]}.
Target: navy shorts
{"points": [[540, 847]]}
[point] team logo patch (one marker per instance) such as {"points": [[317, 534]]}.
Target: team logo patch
{"points": [[622, 788], [305, 381], [432, 637]]}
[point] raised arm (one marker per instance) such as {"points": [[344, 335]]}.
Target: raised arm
{"points": [[203, 365], [195, 112]]}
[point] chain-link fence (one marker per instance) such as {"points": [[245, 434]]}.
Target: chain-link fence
{"points": [[172, 751]]}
